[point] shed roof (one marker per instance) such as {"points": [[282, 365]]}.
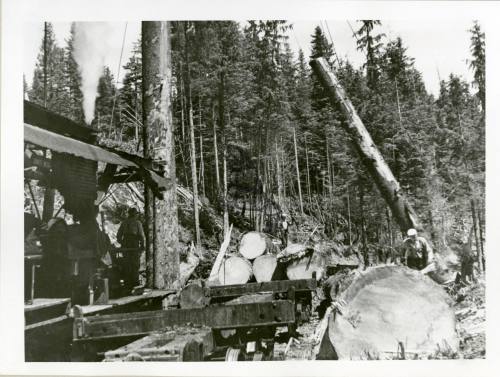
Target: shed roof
{"points": [[64, 144]]}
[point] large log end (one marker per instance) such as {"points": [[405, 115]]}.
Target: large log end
{"points": [[387, 305]]}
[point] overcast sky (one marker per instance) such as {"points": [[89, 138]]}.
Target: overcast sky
{"points": [[437, 46]]}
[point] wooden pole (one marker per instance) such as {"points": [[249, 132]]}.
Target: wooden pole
{"points": [[162, 253], [368, 152]]}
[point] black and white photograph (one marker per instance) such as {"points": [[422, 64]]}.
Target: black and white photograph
{"points": [[243, 189]]}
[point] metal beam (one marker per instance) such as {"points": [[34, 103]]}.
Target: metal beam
{"points": [[274, 313], [280, 286]]}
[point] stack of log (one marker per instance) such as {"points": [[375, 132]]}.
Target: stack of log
{"points": [[257, 259]]}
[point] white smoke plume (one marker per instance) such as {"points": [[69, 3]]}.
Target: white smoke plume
{"points": [[91, 44]]}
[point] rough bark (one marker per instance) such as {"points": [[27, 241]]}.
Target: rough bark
{"points": [[366, 149], [162, 252]]}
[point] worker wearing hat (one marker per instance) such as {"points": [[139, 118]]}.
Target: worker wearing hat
{"points": [[132, 240], [283, 226], [417, 253]]}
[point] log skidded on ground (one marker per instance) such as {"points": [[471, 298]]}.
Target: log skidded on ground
{"points": [[366, 148], [386, 305]]}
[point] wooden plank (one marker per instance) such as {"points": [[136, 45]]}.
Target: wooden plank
{"points": [[48, 340], [274, 313], [44, 309], [213, 277], [279, 286], [150, 300]]}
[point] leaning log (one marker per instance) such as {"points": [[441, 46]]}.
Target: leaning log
{"points": [[235, 270], [263, 267], [253, 245], [368, 152], [386, 307]]}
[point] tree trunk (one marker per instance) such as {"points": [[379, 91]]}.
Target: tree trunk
{"points": [[49, 194], [308, 177], [476, 236], [298, 171], [202, 161], [480, 220], [279, 178], [368, 152], [162, 255], [194, 177], [216, 152]]}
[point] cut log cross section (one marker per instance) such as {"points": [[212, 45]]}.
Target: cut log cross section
{"points": [[264, 267], [235, 270], [253, 245]]}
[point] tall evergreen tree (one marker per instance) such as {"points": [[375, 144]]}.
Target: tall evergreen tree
{"points": [[372, 45], [478, 62], [74, 108]]}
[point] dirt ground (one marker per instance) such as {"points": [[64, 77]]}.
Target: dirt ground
{"points": [[470, 312]]}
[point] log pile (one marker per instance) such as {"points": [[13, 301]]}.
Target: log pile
{"points": [[257, 260]]}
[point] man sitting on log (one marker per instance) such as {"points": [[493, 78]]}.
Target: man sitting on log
{"points": [[132, 240], [417, 253]]}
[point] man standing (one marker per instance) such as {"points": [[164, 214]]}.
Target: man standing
{"points": [[283, 226], [417, 253], [132, 240]]}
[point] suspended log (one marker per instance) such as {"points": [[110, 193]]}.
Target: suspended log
{"points": [[388, 305], [253, 245], [367, 151], [235, 270], [264, 267]]}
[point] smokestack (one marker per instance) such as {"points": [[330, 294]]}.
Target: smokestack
{"points": [[91, 44]]}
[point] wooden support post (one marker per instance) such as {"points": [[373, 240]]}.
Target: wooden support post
{"points": [[367, 151], [162, 252]]}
